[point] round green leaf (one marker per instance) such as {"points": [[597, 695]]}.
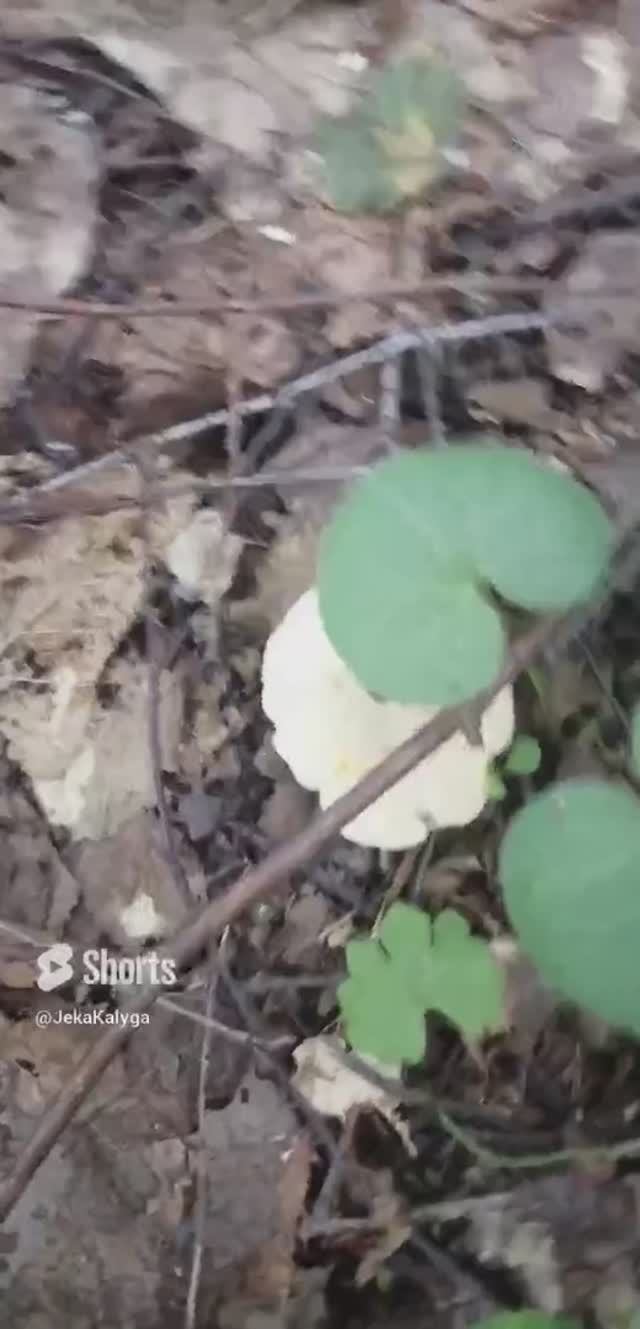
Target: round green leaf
{"points": [[541, 539], [404, 565], [570, 869], [495, 785], [398, 599], [524, 755]]}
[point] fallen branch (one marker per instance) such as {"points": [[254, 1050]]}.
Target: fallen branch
{"points": [[480, 284], [193, 939], [388, 348]]}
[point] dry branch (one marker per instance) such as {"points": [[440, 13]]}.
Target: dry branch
{"points": [[478, 284]]}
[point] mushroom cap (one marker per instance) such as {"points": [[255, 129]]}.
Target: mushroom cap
{"points": [[330, 731]]}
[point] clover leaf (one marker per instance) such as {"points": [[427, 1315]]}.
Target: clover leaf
{"points": [[413, 966]]}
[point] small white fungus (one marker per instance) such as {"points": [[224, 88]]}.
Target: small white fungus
{"points": [[331, 731], [141, 920]]}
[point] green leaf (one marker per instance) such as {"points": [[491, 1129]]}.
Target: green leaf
{"points": [[463, 980], [353, 166], [635, 742], [524, 756], [570, 870], [389, 147], [412, 967], [381, 1005], [540, 538], [435, 526], [495, 785], [427, 89], [526, 1320]]}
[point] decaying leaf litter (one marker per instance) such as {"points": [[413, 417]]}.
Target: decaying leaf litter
{"points": [[154, 155]]}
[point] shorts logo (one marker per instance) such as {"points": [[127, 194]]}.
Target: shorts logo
{"points": [[55, 968]]}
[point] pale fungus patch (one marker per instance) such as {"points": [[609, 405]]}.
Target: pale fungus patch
{"points": [[331, 732]]}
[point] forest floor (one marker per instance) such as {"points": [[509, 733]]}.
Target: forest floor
{"points": [[196, 355]]}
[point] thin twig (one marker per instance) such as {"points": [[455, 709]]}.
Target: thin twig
{"points": [[329, 1189], [388, 347], [480, 284], [438, 1211], [587, 1154], [580, 203], [201, 1167], [41, 504], [171, 853], [429, 365], [244, 1036], [285, 859], [389, 401], [154, 676], [454, 1271]]}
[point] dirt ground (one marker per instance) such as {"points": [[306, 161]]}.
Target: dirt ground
{"points": [[197, 352]]}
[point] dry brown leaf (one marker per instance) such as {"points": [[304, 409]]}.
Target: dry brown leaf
{"points": [[270, 352], [247, 1144], [493, 73], [389, 1212], [334, 1088], [304, 923], [69, 593], [285, 812], [284, 573], [37, 890], [528, 1003], [602, 322], [523, 401], [566, 84], [127, 886], [271, 1275], [346, 254], [203, 557], [92, 776], [550, 1228], [177, 366], [216, 73], [43, 1058], [48, 182]]}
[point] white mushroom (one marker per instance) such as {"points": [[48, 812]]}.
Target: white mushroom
{"points": [[331, 731]]}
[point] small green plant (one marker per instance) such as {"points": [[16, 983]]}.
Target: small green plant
{"points": [[417, 573], [523, 757], [414, 965], [390, 147]]}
